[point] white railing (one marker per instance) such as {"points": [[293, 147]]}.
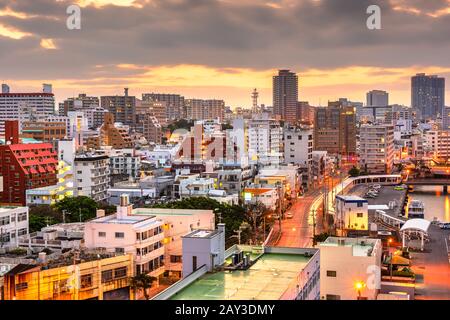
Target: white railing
{"points": [[180, 285]]}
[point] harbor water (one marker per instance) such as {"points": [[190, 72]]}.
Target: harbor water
{"points": [[437, 204]]}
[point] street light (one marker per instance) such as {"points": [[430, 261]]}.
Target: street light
{"points": [[359, 286]]}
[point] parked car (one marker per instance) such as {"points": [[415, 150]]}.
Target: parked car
{"points": [[445, 226], [376, 186], [289, 215]]}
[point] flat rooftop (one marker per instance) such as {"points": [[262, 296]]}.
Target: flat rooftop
{"points": [[139, 221], [201, 234], [169, 212], [267, 279], [361, 246]]}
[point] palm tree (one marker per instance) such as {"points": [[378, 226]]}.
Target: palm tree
{"points": [[143, 282]]}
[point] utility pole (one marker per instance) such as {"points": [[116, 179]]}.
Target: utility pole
{"points": [[80, 213], [64, 215]]}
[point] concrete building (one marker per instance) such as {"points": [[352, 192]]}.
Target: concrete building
{"points": [[175, 105], [428, 95], [266, 195], [203, 248], [10, 104], [285, 96], [80, 103], [446, 119], [139, 235], [123, 108], [24, 166], [298, 145], [335, 129], [98, 277], [152, 129], [13, 224], [44, 131], [350, 268], [377, 148], [112, 135], [92, 176], [351, 214], [264, 273], [377, 98], [265, 136], [437, 144]]}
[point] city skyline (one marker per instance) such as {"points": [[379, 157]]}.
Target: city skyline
{"points": [[223, 49]]}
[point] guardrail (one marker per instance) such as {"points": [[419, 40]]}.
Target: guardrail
{"points": [[180, 285]]}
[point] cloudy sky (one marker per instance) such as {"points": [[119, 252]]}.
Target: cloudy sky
{"points": [[223, 48]]}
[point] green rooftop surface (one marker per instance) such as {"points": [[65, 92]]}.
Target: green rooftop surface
{"points": [[267, 279]]}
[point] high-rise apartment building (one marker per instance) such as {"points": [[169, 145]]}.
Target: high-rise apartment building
{"points": [[428, 95], [92, 176], [285, 96], [174, 104], [298, 145], [377, 98], [81, 102], [446, 119], [198, 109], [11, 104], [122, 107], [265, 140], [377, 148], [335, 129]]}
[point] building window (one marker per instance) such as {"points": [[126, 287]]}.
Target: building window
{"points": [[120, 235], [102, 234], [175, 259], [333, 297], [22, 217], [22, 286], [331, 273], [360, 204], [120, 250], [120, 273], [86, 281], [4, 220], [107, 275], [359, 214]]}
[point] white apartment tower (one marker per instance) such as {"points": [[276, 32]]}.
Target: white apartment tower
{"points": [[377, 148]]}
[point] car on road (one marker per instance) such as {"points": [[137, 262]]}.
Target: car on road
{"points": [[289, 215], [376, 187], [445, 226]]}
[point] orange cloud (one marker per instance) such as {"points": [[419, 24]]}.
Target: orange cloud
{"points": [[235, 85]]}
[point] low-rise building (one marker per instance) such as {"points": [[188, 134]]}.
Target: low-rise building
{"points": [[351, 214], [350, 268], [81, 277], [92, 176], [13, 224]]}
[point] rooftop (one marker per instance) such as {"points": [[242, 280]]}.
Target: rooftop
{"points": [[267, 279], [201, 234], [361, 247]]}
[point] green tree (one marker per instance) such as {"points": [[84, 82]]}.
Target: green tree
{"points": [[181, 124], [231, 215], [142, 282], [76, 207], [37, 222], [354, 172]]}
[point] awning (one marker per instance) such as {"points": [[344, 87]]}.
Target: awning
{"points": [[397, 260]]}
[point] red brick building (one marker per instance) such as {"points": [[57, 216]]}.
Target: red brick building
{"points": [[24, 166]]}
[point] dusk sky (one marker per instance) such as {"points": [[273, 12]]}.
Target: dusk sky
{"points": [[223, 48]]}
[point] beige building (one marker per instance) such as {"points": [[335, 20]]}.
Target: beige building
{"points": [[198, 109], [110, 135], [350, 268], [377, 148]]}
